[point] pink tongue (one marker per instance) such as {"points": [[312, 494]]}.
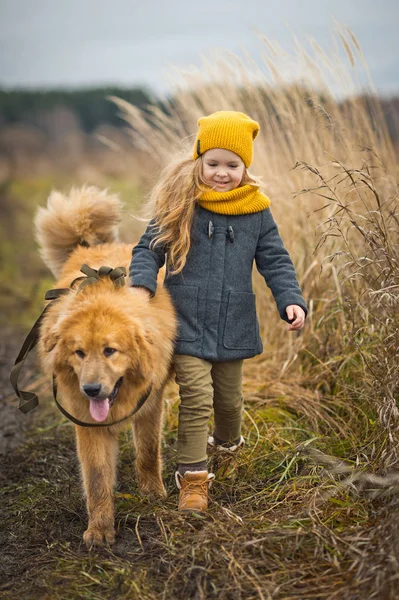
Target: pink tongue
{"points": [[99, 409]]}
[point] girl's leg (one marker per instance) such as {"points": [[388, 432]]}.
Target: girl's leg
{"points": [[228, 400], [193, 376]]}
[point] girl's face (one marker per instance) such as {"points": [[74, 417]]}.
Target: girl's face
{"points": [[222, 169]]}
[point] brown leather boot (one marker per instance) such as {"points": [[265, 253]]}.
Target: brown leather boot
{"points": [[224, 458], [193, 486], [227, 447]]}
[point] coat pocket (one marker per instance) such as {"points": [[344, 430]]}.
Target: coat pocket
{"points": [[185, 300], [241, 326]]}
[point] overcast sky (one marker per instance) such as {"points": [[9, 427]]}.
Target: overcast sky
{"points": [[48, 43]]}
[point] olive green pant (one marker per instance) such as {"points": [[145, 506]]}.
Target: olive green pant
{"points": [[204, 385]]}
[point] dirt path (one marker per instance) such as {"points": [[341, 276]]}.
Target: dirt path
{"points": [[13, 424]]}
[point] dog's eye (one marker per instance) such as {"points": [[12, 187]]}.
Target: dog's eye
{"points": [[109, 351], [80, 353]]}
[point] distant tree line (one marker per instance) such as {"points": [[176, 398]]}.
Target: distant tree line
{"points": [[90, 106]]}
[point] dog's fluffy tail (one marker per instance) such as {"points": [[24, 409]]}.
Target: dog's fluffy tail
{"points": [[88, 216]]}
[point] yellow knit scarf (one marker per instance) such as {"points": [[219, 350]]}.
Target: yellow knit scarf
{"points": [[240, 201]]}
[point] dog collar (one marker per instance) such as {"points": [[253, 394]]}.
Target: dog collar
{"points": [[66, 414]]}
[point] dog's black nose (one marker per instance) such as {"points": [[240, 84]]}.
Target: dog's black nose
{"points": [[92, 389]]}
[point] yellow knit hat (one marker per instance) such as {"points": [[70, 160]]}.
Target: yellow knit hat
{"points": [[227, 129]]}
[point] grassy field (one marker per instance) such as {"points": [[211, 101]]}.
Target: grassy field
{"points": [[309, 508], [296, 515]]}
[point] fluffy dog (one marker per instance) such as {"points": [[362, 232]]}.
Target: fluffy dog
{"points": [[106, 346]]}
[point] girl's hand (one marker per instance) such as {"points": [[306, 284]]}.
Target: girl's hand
{"points": [[298, 314]]}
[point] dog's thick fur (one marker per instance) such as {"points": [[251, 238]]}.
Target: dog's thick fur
{"points": [[96, 335]]}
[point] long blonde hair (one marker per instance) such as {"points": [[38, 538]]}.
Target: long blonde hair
{"points": [[173, 201]]}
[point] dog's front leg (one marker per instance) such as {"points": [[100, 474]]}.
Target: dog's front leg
{"points": [[97, 451], [147, 431]]}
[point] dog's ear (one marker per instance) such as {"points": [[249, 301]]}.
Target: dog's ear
{"points": [[142, 355], [49, 337], [49, 345], [149, 336]]}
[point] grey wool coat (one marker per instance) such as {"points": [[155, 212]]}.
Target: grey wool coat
{"points": [[213, 293]]}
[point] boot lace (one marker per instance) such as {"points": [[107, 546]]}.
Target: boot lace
{"points": [[196, 487]]}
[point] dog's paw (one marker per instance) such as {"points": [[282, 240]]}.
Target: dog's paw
{"points": [[99, 536], [153, 488]]}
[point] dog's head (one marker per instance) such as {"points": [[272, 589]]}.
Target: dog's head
{"points": [[100, 347]]}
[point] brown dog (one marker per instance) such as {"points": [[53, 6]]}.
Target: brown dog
{"points": [[106, 346]]}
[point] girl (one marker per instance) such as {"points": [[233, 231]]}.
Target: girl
{"points": [[211, 222]]}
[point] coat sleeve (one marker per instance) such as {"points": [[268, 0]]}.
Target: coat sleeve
{"points": [[275, 265], [146, 262]]}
